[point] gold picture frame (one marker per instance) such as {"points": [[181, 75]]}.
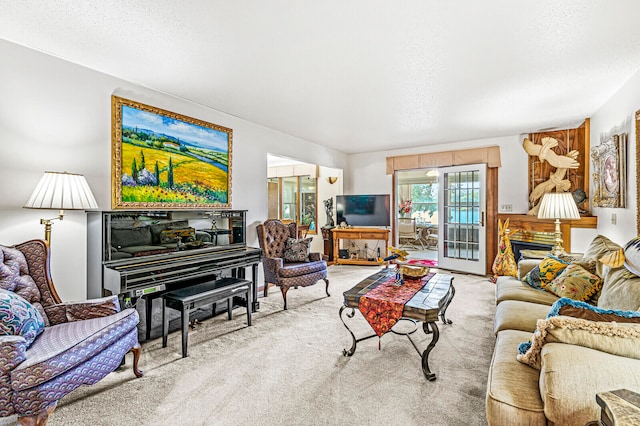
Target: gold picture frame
{"points": [[610, 173], [161, 159]]}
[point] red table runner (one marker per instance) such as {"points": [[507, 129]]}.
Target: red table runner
{"points": [[382, 307]]}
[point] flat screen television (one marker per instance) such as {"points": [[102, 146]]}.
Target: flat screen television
{"points": [[363, 210]]}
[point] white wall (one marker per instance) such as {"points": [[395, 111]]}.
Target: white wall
{"points": [[366, 172], [55, 115], [618, 116]]}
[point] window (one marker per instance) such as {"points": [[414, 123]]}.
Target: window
{"points": [[294, 199], [424, 201]]}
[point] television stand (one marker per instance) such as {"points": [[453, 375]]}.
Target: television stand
{"points": [[358, 234]]}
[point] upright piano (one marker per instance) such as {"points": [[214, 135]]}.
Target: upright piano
{"points": [[142, 254]]}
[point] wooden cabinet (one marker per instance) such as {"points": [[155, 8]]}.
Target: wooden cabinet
{"points": [[327, 237], [358, 234]]}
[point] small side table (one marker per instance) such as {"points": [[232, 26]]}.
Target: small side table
{"points": [[620, 408]]}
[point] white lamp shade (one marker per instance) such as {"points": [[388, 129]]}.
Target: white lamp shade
{"points": [[558, 205], [62, 191]]}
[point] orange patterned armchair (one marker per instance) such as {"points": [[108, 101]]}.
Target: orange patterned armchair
{"points": [[287, 262]]}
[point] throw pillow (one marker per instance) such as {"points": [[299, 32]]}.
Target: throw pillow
{"points": [[610, 337], [19, 317], [574, 282], [545, 272], [621, 290], [576, 309], [297, 250], [92, 309], [600, 247]]}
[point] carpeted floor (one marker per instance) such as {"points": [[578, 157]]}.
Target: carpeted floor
{"points": [[288, 368]]}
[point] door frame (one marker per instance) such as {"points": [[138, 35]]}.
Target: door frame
{"points": [[492, 212], [475, 265]]}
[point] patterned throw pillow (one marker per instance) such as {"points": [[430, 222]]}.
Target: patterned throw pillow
{"points": [[19, 317], [297, 250], [545, 272], [574, 282]]}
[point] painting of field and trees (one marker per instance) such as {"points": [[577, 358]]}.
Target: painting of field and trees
{"points": [[162, 159]]}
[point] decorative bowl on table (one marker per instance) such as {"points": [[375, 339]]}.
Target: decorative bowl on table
{"points": [[414, 272]]}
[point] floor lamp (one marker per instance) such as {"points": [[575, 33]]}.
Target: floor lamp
{"points": [[60, 191], [558, 205]]}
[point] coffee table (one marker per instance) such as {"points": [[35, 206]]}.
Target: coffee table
{"points": [[425, 307]]}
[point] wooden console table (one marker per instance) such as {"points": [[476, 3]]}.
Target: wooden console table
{"points": [[358, 234]]}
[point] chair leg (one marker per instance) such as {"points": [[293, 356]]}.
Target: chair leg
{"points": [[326, 289], [266, 289], [284, 290], [40, 419], [136, 357]]}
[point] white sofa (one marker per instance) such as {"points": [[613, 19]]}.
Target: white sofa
{"points": [[563, 390]]}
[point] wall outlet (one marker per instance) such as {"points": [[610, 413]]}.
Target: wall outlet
{"points": [[614, 218], [506, 208]]}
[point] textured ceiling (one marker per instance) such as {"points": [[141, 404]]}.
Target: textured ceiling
{"points": [[357, 75]]}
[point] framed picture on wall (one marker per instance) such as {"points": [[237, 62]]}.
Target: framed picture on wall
{"points": [[161, 159], [610, 174]]}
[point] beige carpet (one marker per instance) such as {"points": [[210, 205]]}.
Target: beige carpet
{"points": [[288, 369]]}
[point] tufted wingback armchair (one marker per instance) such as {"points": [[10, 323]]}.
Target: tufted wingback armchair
{"points": [[273, 236], [79, 345]]}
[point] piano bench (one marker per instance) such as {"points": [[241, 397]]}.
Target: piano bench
{"points": [[189, 298]]}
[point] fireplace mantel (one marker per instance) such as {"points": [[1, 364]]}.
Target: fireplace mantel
{"points": [[532, 223]]}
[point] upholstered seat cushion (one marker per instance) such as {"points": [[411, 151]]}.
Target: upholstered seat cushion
{"points": [[519, 315], [302, 268], [512, 388], [62, 347], [509, 288]]}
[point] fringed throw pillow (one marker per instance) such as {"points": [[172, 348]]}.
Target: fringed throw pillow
{"points": [[562, 330]]}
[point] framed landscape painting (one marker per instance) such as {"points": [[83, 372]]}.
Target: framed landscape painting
{"points": [[161, 159]]}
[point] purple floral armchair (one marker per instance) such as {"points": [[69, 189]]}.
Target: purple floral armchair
{"points": [[285, 267], [49, 348]]}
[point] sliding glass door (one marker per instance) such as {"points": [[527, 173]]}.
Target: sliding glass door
{"points": [[461, 225]]}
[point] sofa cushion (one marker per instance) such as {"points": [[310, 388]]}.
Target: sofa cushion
{"points": [[509, 288], [518, 315], [572, 375], [512, 388], [574, 282], [131, 236], [19, 317], [136, 251], [62, 347], [621, 290], [290, 270]]}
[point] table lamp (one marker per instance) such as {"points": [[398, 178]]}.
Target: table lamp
{"points": [[558, 205], [60, 191]]}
